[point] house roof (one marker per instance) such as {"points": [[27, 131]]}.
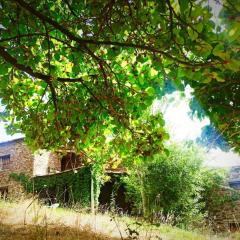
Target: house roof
{"points": [[108, 171], [11, 141]]}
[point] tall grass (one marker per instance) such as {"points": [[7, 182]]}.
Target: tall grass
{"points": [[31, 220]]}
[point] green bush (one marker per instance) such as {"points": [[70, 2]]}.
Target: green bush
{"points": [[171, 186], [211, 184]]}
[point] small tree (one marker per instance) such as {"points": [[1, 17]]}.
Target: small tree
{"points": [[170, 184]]}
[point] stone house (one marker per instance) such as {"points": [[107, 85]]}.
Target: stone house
{"points": [[16, 157]]}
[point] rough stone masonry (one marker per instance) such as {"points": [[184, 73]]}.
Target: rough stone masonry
{"points": [[16, 157]]}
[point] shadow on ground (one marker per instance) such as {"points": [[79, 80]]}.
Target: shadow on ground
{"points": [[33, 232]]}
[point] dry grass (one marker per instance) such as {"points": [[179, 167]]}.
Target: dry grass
{"points": [[29, 214], [30, 220], [33, 232]]}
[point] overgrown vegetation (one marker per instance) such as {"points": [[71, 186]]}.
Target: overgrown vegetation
{"points": [[69, 187], [82, 75], [174, 186]]}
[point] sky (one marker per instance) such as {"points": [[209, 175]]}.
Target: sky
{"points": [[181, 127], [175, 109], [3, 135]]}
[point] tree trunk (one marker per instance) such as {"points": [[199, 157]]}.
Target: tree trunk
{"points": [[143, 195]]}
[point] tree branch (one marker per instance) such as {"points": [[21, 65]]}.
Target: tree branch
{"points": [[47, 78], [8, 58], [54, 95], [21, 36], [55, 24], [37, 34], [171, 17], [71, 36]]}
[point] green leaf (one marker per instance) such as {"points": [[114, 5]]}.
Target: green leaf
{"points": [[233, 65], [199, 27], [220, 52], [234, 32], [153, 72], [3, 69], [192, 34], [218, 49], [150, 91], [183, 5]]}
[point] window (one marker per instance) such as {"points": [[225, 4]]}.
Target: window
{"points": [[71, 161], [4, 162], [234, 226], [3, 193]]}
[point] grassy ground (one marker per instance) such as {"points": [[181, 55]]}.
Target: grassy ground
{"points": [[32, 221]]}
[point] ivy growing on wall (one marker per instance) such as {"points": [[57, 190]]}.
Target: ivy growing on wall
{"points": [[25, 180], [67, 187]]}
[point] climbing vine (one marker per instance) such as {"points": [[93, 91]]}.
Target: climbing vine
{"points": [[67, 187]]}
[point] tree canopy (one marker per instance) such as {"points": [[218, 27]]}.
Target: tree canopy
{"points": [[72, 72]]}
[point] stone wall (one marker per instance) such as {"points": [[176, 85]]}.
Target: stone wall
{"points": [[225, 215], [54, 162], [21, 160], [46, 162]]}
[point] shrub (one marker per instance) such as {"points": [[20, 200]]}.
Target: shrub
{"points": [[171, 186]]}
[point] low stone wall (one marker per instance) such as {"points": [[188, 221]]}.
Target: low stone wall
{"points": [[225, 213]]}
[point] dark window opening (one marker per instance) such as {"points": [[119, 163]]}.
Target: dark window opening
{"points": [[112, 195], [71, 161], [4, 162], [3, 193], [234, 227], [48, 196]]}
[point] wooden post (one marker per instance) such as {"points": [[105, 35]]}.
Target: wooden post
{"points": [[92, 194]]}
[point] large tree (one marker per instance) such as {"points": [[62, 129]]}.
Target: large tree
{"points": [[74, 71]]}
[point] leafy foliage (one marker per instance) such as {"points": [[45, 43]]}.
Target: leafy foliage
{"points": [[212, 183], [220, 99], [221, 104], [72, 70], [173, 185], [146, 138], [76, 184]]}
